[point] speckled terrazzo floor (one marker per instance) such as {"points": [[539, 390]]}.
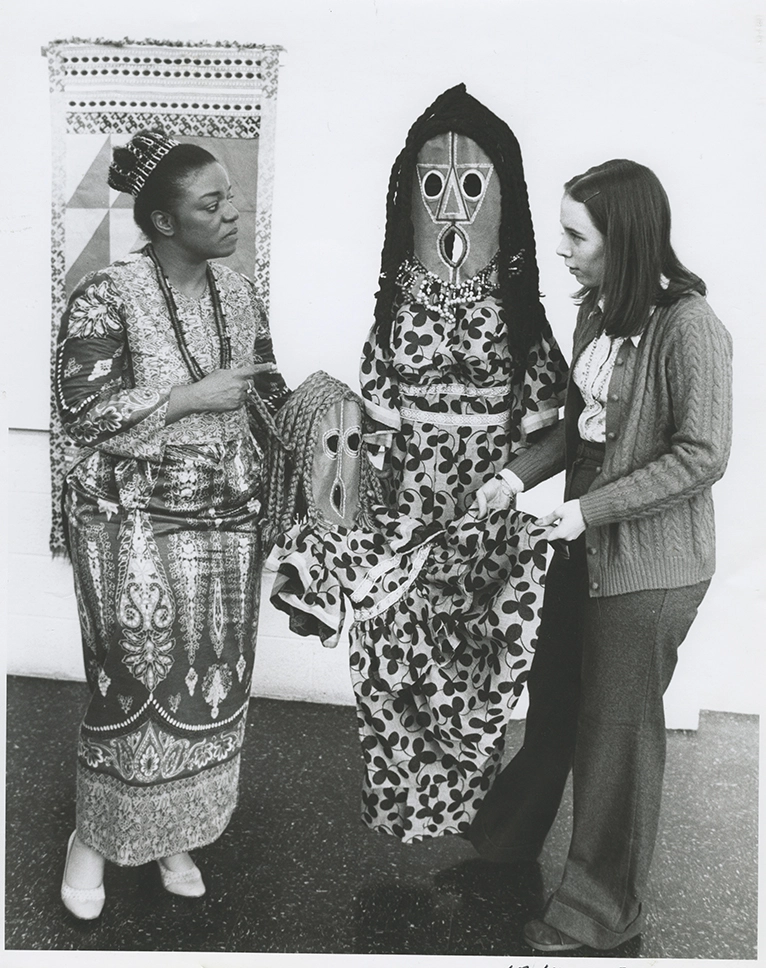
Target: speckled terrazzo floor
{"points": [[297, 872]]}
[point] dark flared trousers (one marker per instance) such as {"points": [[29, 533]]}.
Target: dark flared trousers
{"points": [[596, 689]]}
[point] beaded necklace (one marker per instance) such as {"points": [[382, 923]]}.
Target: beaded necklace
{"points": [[419, 283], [224, 340]]}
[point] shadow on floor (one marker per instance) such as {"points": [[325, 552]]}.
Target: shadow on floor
{"points": [[296, 871]]}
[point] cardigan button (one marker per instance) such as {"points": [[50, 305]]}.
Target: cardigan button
{"points": [[620, 362], [598, 470], [592, 550], [615, 397], [612, 435], [594, 586]]}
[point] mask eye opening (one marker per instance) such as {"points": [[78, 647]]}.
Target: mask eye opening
{"points": [[331, 443], [353, 442], [433, 184], [473, 184]]}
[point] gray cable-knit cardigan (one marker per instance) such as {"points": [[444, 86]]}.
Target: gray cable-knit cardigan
{"points": [[649, 514]]}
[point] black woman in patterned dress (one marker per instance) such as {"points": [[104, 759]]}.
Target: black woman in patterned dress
{"points": [[166, 380]]}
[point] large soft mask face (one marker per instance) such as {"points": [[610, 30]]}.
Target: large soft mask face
{"points": [[455, 207]]}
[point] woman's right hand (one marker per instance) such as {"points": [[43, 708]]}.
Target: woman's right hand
{"points": [[224, 390], [218, 392], [496, 493]]}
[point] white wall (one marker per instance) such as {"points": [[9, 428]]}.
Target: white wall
{"points": [[676, 85]]}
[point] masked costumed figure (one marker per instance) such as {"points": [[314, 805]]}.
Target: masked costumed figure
{"points": [[461, 368], [459, 373]]}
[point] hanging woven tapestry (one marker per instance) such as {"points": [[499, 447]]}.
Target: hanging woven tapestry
{"points": [[220, 96]]}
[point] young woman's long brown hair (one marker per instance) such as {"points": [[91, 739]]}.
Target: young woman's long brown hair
{"points": [[629, 207]]}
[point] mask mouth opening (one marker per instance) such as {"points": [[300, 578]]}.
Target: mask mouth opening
{"points": [[338, 498], [453, 246]]}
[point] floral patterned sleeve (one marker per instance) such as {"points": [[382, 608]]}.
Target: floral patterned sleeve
{"points": [[379, 385], [304, 587], [545, 382], [380, 392], [95, 391]]}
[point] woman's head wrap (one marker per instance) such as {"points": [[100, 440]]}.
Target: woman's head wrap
{"points": [[147, 148]]}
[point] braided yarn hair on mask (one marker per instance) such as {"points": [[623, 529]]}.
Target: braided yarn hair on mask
{"points": [[456, 110], [289, 491]]}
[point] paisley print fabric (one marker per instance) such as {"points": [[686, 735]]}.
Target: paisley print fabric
{"points": [[118, 358], [163, 526], [444, 626]]}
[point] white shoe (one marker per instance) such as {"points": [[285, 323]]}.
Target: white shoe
{"points": [[84, 903], [186, 883]]}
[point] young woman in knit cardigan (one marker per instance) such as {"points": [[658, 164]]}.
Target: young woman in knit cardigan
{"points": [[646, 432]]}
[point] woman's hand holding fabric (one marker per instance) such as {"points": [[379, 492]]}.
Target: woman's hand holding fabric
{"points": [[495, 494], [567, 520]]}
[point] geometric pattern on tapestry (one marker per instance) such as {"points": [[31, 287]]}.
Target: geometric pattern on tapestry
{"points": [[221, 96]]}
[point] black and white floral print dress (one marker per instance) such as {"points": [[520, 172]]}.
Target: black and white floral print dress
{"points": [[445, 607], [444, 627]]}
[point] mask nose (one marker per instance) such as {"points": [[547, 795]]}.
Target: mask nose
{"points": [[452, 207]]}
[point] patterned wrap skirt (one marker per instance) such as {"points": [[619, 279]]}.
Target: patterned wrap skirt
{"points": [[167, 563]]}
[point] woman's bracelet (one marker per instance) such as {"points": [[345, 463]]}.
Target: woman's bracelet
{"points": [[510, 483], [505, 487]]}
